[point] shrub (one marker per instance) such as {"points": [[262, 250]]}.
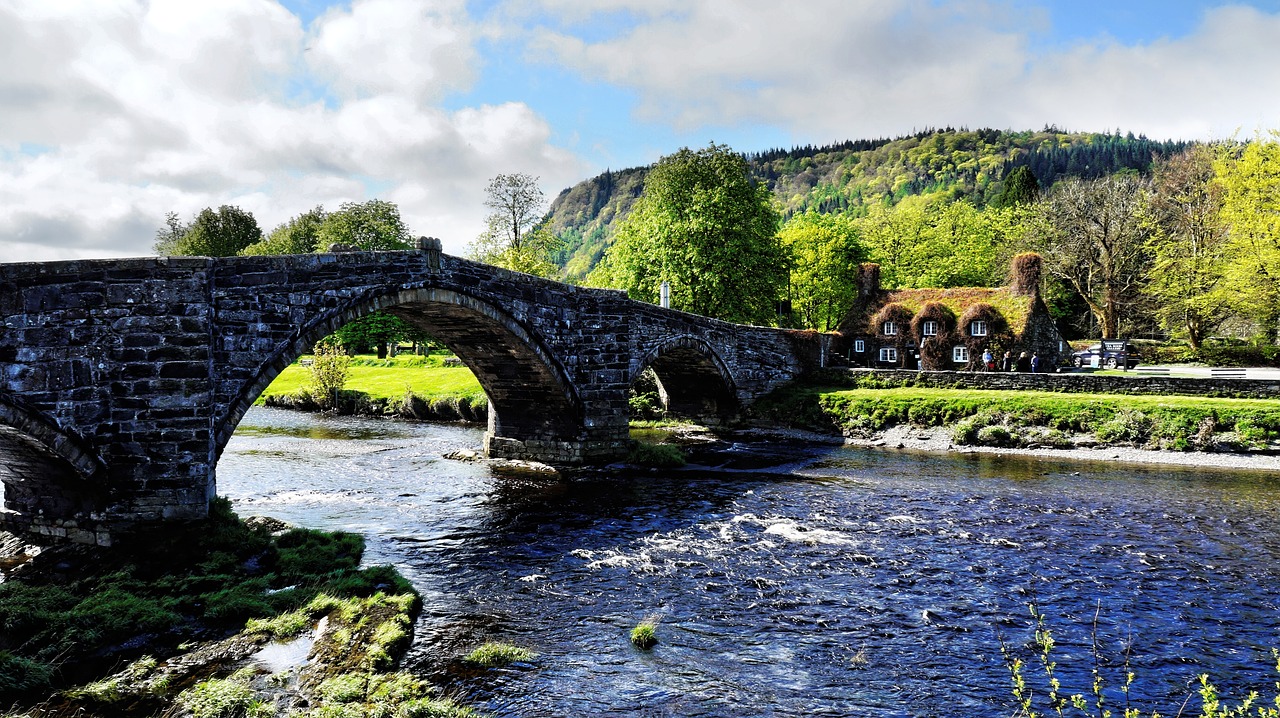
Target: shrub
{"points": [[1127, 426], [329, 368], [995, 435]]}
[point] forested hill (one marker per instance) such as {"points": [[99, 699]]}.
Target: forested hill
{"points": [[849, 176]]}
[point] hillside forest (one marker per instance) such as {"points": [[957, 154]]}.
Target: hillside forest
{"points": [[1142, 238]]}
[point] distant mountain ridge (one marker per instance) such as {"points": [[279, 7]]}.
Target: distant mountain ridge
{"points": [[848, 177]]}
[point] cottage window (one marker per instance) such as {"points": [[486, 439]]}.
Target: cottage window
{"points": [[960, 354], [977, 328], [890, 329], [888, 354], [929, 329], [859, 346]]}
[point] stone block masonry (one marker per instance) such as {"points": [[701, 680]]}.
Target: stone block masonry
{"points": [[121, 381], [1067, 382]]}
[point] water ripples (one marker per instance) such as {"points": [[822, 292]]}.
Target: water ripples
{"points": [[856, 582]]}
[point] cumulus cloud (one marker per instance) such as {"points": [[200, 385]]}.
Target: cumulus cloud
{"points": [[116, 113], [836, 69], [404, 47]]}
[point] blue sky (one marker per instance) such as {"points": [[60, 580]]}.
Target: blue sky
{"points": [[118, 112]]}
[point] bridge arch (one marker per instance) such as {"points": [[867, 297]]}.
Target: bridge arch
{"points": [[694, 380], [529, 393], [45, 470]]}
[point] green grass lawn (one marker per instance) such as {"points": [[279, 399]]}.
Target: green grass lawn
{"points": [[389, 378], [1179, 422]]}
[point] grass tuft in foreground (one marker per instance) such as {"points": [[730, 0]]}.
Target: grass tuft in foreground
{"points": [[645, 635], [1037, 688], [495, 654]]}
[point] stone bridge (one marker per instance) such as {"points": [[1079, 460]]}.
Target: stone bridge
{"points": [[122, 380]]}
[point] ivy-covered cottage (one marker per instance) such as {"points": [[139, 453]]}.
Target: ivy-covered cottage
{"points": [[936, 329]]}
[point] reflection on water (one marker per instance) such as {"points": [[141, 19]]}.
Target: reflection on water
{"points": [[841, 582]]}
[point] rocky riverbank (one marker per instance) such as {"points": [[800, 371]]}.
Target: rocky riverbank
{"points": [[940, 439], [229, 617]]}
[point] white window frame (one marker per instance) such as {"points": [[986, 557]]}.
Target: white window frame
{"points": [[890, 328], [859, 346], [977, 328], [888, 354], [929, 328], [960, 354]]}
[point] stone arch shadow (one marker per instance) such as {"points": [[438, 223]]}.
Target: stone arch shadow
{"points": [[529, 392], [694, 381], [45, 469]]}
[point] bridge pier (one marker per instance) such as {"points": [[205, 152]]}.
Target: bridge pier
{"points": [[599, 447]]}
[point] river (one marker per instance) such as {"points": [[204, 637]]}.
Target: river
{"points": [[808, 581]]}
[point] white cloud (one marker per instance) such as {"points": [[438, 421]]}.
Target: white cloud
{"points": [[115, 114], [834, 69], [404, 47]]}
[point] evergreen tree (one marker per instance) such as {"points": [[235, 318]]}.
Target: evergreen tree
{"points": [[1020, 187]]}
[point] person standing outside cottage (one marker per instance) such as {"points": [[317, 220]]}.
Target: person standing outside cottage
{"points": [[1006, 364], [1024, 364], [1035, 363], [988, 360]]}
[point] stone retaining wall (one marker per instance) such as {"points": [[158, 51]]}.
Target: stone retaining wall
{"points": [[1069, 382]]}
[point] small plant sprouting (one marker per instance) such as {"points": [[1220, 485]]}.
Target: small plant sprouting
{"points": [[645, 635], [1053, 702]]}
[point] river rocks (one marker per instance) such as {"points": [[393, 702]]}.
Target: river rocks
{"points": [[520, 466], [269, 524], [464, 455]]}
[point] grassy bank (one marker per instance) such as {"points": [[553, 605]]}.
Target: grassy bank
{"points": [[183, 611], [1025, 418], [410, 386]]}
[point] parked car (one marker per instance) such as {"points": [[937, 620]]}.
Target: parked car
{"points": [[1110, 355]]}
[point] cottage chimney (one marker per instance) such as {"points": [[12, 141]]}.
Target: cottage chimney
{"points": [[1024, 273], [868, 280]]}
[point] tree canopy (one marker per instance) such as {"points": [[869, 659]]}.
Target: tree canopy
{"points": [[1095, 239], [1250, 179], [710, 230], [214, 233], [371, 226], [825, 252], [299, 235], [1188, 245], [515, 237]]}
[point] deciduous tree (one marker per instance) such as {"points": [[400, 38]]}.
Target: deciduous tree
{"points": [[300, 235], [1187, 245], [213, 233], [710, 230], [515, 237], [1250, 178], [371, 226], [1095, 240], [825, 252]]}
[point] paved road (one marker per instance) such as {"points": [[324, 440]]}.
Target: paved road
{"points": [[1204, 371]]}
